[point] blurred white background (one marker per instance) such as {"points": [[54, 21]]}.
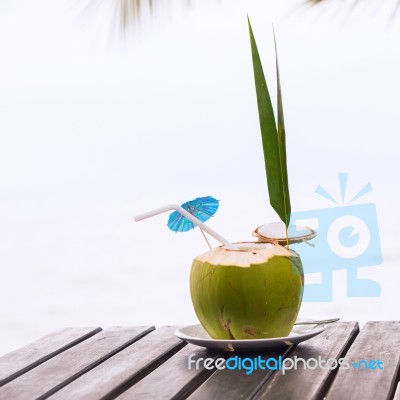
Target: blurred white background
{"points": [[97, 125]]}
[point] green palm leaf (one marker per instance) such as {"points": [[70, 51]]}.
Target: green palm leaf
{"points": [[273, 136]]}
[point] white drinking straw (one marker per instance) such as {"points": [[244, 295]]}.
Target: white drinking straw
{"points": [[189, 216]]}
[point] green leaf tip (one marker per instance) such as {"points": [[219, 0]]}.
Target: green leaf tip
{"points": [[272, 134]]}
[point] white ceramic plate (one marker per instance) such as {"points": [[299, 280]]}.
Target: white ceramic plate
{"points": [[196, 334]]}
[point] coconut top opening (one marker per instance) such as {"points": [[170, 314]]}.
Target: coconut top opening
{"points": [[246, 246], [276, 232], [247, 254]]}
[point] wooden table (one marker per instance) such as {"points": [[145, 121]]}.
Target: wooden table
{"points": [[141, 362]]}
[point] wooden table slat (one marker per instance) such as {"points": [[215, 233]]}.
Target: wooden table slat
{"points": [[62, 369], [173, 379], [236, 384], [302, 383], [20, 361], [118, 373], [377, 340], [140, 363]]}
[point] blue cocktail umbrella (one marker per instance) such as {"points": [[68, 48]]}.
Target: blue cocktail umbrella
{"points": [[202, 208], [190, 217]]}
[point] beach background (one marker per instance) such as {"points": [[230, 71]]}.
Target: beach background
{"points": [[100, 123]]}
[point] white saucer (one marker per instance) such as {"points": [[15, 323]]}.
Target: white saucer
{"points": [[196, 334]]}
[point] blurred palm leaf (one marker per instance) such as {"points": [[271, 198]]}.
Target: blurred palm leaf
{"points": [[130, 14], [130, 11]]}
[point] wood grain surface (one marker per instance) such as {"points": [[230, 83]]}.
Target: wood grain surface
{"points": [[20, 361], [47, 378]]}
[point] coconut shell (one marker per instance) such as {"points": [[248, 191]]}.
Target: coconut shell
{"points": [[250, 293]]}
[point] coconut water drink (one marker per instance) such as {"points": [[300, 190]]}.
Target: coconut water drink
{"points": [[248, 290], [251, 292]]}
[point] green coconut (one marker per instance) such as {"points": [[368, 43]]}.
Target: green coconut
{"points": [[250, 293]]}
